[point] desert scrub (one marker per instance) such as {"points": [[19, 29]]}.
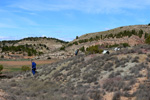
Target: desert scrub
{"points": [[113, 84], [135, 59], [114, 74], [95, 95], [143, 92], [108, 66], [137, 68]]}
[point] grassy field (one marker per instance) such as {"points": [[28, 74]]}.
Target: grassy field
{"points": [[11, 66]]}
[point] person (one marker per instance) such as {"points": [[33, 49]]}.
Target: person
{"points": [[76, 52], [33, 67]]}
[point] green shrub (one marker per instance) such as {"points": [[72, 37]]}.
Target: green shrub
{"points": [[62, 48], [77, 37], [76, 43], [147, 40], [1, 68], [82, 49], [125, 45], [70, 44], [25, 68], [94, 49], [146, 35], [140, 33], [91, 39]]}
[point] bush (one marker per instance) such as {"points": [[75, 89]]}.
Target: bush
{"points": [[62, 48], [25, 68], [94, 49], [147, 40], [77, 37], [125, 45], [82, 49], [1, 68]]}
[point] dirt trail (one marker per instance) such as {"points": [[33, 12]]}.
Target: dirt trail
{"points": [[21, 63]]}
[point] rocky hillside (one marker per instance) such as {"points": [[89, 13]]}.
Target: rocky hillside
{"points": [[32, 46], [120, 75]]}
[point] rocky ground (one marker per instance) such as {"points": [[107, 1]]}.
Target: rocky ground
{"points": [[120, 75]]}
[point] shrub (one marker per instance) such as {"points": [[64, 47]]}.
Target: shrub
{"points": [[94, 49], [1, 68], [76, 43], [77, 37], [146, 35], [140, 33], [25, 68], [62, 48], [147, 40], [82, 49], [108, 66], [125, 45]]}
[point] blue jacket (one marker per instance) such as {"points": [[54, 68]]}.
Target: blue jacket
{"points": [[33, 65]]}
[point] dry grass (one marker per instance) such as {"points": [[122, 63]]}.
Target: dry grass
{"points": [[16, 65]]}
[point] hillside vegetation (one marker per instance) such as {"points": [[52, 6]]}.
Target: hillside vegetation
{"points": [[32, 46], [121, 75], [132, 35]]}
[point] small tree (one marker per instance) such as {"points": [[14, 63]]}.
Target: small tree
{"points": [[1, 68], [77, 37], [149, 24]]}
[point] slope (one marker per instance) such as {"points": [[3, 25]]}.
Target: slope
{"points": [[120, 75]]}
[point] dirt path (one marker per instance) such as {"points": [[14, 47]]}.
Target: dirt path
{"points": [[16, 65], [21, 63]]}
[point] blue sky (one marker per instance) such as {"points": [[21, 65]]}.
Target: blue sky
{"points": [[66, 19]]}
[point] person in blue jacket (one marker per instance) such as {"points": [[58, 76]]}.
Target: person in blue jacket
{"points": [[33, 67], [76, 52]]}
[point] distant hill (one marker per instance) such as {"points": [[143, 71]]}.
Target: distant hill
{"points": [[31, 46], [54, 48], [132, 35]]}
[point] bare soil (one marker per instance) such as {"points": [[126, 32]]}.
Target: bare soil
{"points": [[18, 64]]}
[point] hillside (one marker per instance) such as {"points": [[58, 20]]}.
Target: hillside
{"points": [[132, 35], [47, 48], [145, 28], [29, 47], [121, 75]]}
